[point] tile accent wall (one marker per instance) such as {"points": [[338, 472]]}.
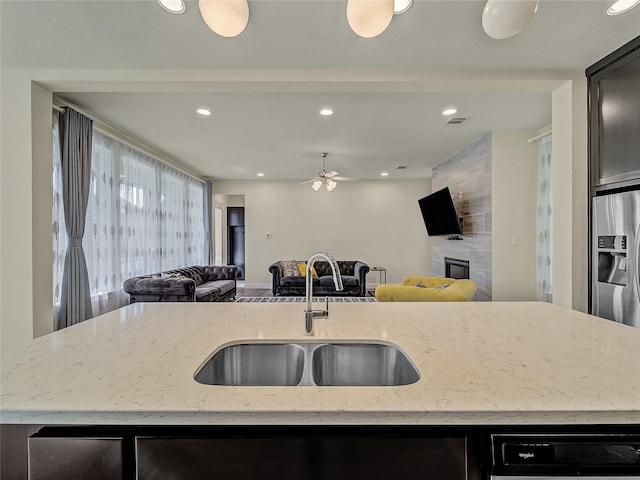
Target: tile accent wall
{"points": [[468, 171]]}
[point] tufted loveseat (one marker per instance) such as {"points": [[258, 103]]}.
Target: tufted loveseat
{"points": [[288, 282], [211, 283]]}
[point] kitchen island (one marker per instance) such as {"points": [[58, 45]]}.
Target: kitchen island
{"points": [[480, 364]]}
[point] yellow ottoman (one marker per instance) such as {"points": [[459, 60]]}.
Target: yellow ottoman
{"points": [[434, 290]]}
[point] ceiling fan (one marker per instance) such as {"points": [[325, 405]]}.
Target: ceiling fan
{"points": [[328, 179]]}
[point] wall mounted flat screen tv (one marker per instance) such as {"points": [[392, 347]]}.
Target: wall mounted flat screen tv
{"points": [[439, 214]]}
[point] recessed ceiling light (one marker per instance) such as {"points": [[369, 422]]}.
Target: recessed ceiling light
{"points": [[384, 174], [401, 6], [622, 6], [449, 111], [205, 112], [260, 174], [326, 112], [173, 6]]}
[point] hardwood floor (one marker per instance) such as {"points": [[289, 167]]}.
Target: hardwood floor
{"points": [[253, 292]]}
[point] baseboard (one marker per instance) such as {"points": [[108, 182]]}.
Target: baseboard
{"points": [[264, 286]]}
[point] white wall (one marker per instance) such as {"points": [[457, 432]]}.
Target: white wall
{"points": [[514, 180], [377, 222], [16, 255], [569, 162]]}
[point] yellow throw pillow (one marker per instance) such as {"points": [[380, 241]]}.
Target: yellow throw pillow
{"points": [[303, 270]]}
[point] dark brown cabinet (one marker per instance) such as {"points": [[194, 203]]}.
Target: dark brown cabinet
{"points": [[614, 118], [312, 457], [58, 458]]}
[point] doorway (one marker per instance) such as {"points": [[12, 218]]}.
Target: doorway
{"points": [[235, 239]]}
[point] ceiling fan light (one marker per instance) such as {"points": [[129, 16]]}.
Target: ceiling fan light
{"points": [[331, 184], [369, 18], [227, 18], [316, 185], [505, 18]]}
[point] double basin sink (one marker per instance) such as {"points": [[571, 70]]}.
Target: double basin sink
{"points": [[308, 364]]}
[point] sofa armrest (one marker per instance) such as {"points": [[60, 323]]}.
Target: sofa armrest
{"points": [[360, 270], [276, 275], [148, 285]]}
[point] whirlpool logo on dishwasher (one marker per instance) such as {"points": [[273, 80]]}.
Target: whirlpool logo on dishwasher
{"points": [[526, 455]]}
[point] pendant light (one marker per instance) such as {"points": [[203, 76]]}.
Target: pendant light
{"points": [[622, 6], [369, 18], [227, 18], [505, 18]]}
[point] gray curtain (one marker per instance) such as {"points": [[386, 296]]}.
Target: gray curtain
{"points": [[75, 148], [208, 222]]}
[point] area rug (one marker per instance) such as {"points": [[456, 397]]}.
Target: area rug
{"points": [[302, 299]]}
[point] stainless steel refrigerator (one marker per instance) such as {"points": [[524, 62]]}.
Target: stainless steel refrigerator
{"points": [[615, 292]]}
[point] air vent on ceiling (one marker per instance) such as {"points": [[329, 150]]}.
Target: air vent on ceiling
{"points": [[401, 167], [454, 121]]}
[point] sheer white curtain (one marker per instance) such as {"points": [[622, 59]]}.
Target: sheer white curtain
{"points": [[544, 219], [140, 226], [60, 240], [143, 217], [195, 234]]}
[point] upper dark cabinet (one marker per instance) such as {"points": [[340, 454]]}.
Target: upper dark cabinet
{"points": [[614, 117]]}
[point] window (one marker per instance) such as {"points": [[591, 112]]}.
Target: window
{"points": [[142, 217]]}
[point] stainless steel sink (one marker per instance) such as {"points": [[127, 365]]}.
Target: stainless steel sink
{"points": [[308, 364], [362, 364], [254, 364]]}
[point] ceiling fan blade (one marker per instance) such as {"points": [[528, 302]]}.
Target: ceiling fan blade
{"points": [[309, 181], [330, 174], [345, 179]]}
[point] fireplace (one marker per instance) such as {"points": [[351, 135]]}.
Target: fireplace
{"points": [[456, 267]]}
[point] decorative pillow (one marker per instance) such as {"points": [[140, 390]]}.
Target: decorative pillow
{"points": [[289, 268], [302, 267]]}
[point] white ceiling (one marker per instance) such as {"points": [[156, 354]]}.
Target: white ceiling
{"points": [[279, 132]]}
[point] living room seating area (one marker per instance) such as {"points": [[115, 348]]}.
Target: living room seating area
{"points": [[288, 278]]}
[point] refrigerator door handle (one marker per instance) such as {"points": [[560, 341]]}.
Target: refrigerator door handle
{"points": [[637, 265]]}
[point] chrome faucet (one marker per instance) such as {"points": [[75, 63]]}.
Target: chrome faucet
{"points": [[309, 312]]}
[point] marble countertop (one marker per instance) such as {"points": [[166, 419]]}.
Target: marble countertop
{"points": [[480, 363]]}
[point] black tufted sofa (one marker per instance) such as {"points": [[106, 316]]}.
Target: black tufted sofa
{"points": [[353, 272], [210, 283]]}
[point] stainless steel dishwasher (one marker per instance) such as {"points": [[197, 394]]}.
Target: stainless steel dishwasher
{"points": [[557, 456]]}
